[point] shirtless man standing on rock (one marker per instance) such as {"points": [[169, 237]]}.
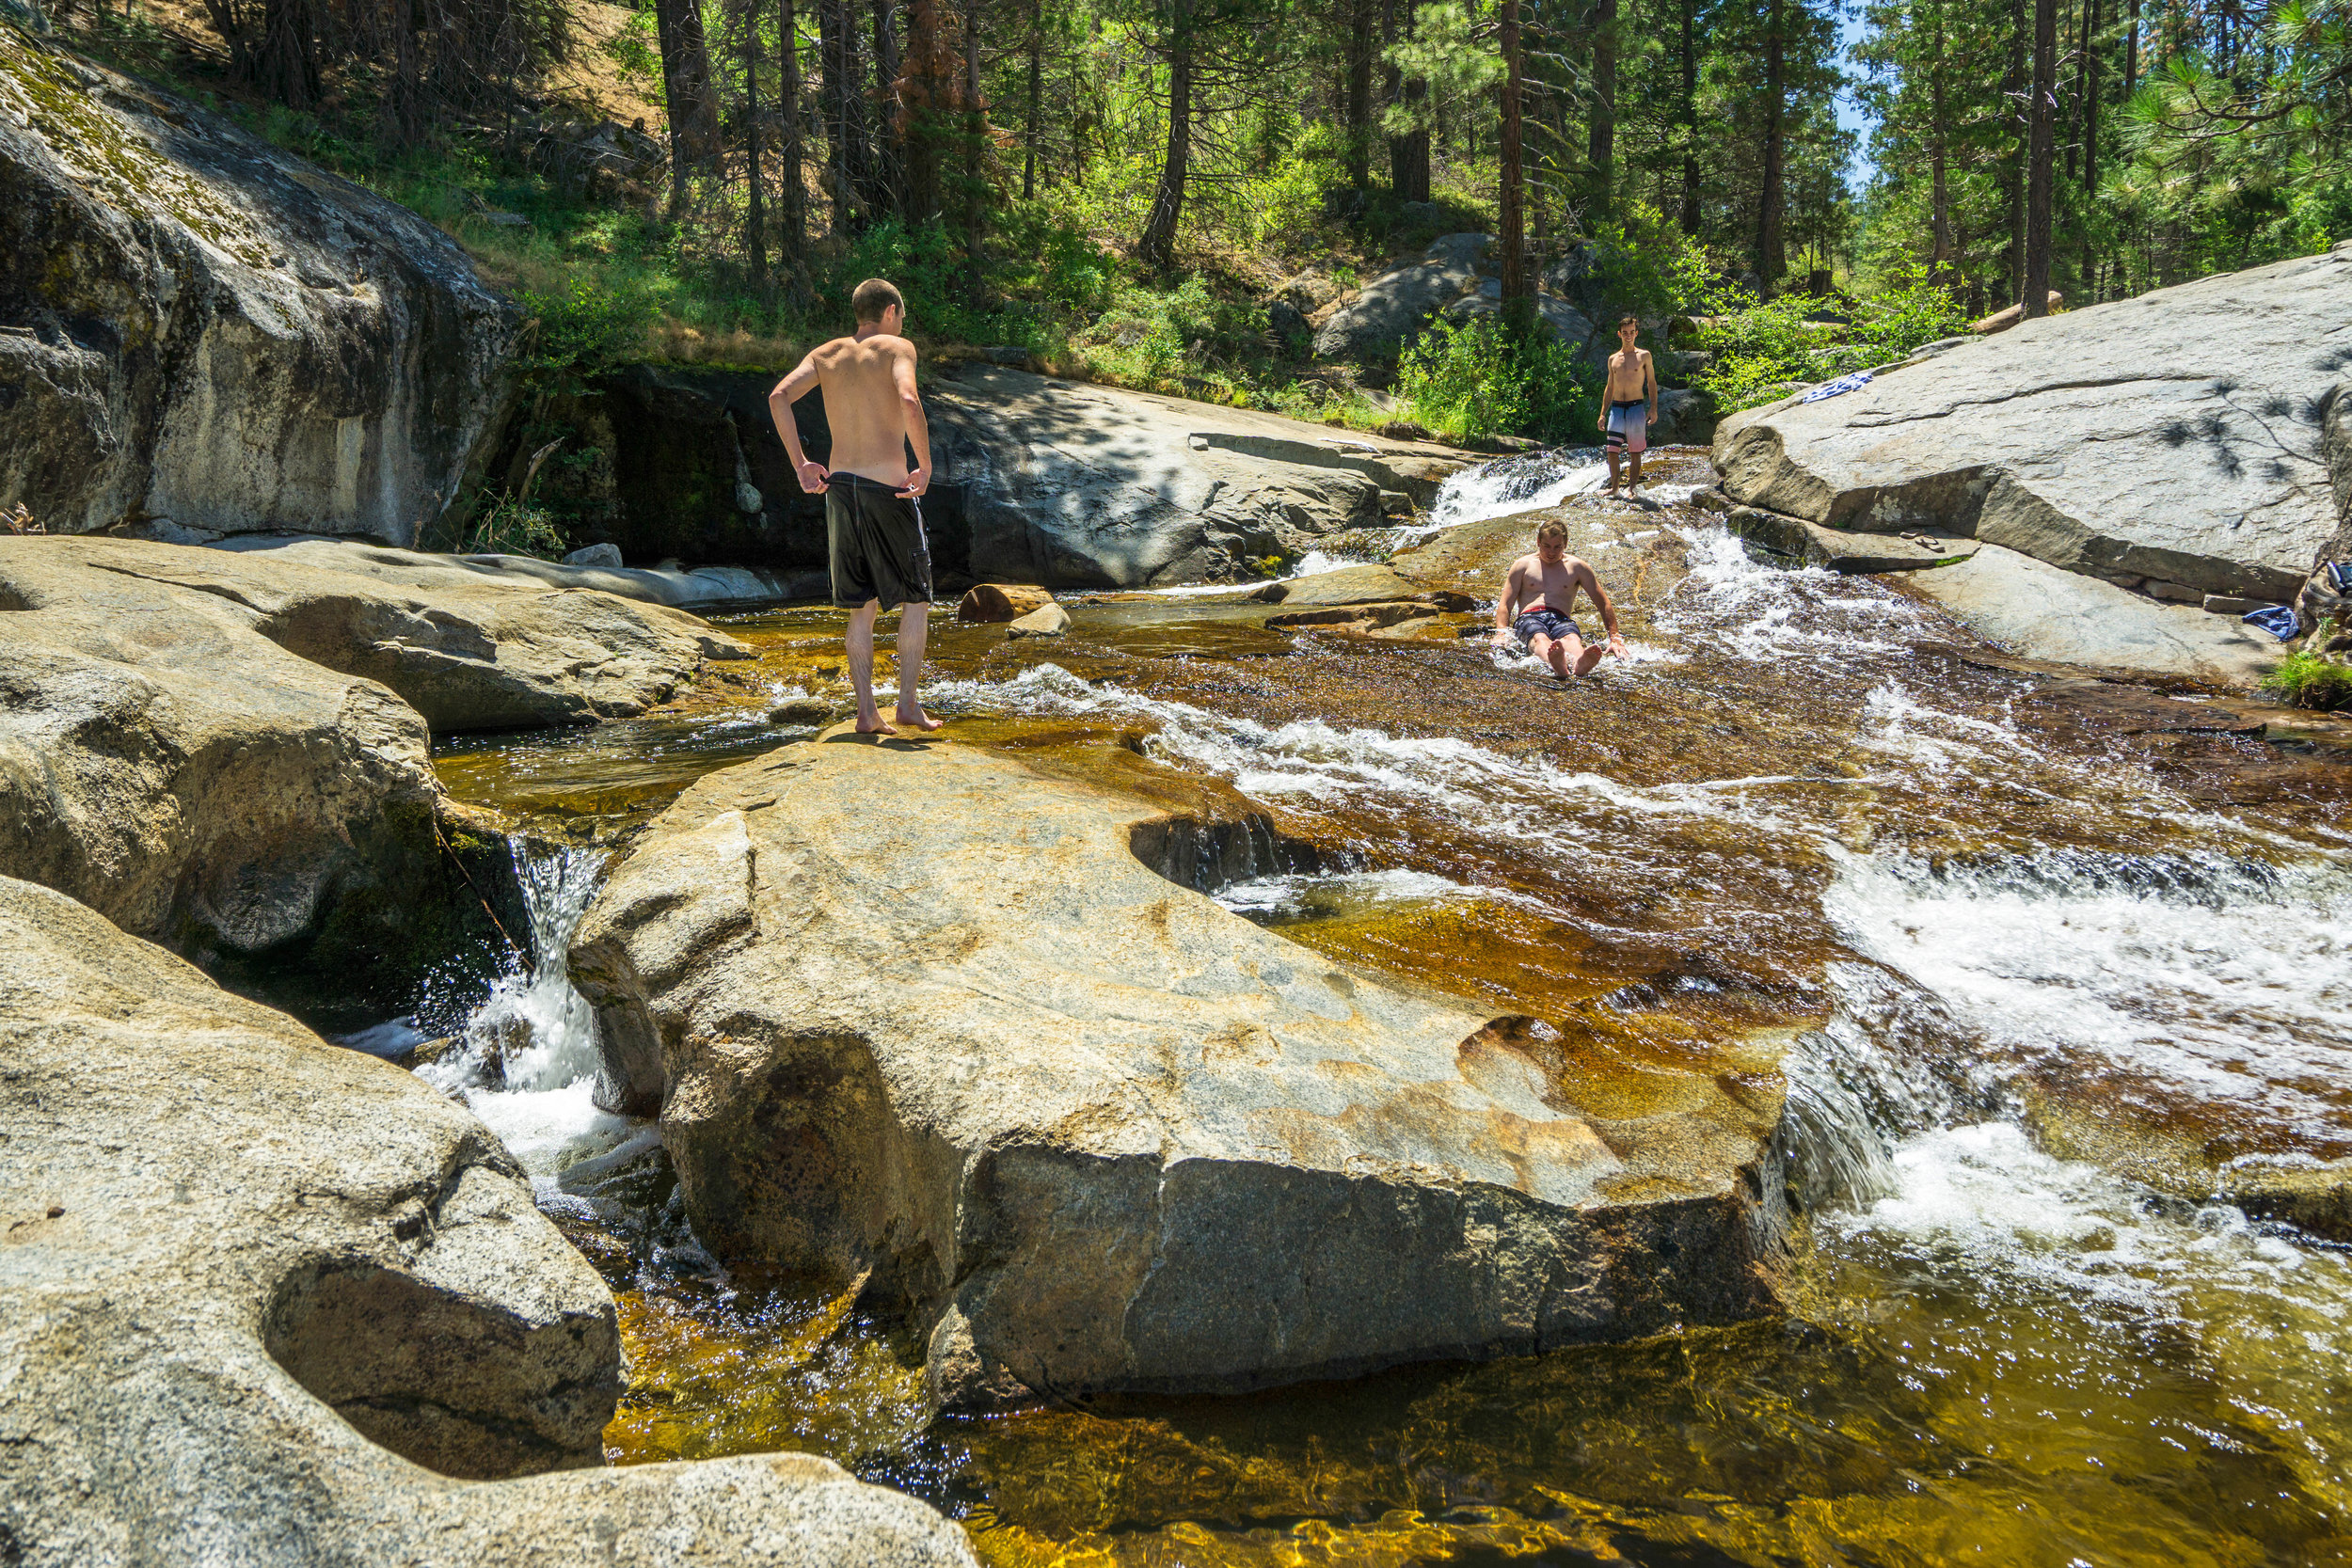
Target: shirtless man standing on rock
{"points": [[1624, 419], [1538, 596], [880, 559]]}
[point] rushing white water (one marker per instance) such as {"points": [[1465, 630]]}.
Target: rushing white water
{"points": [[1510, 485], [2225, 980], [528, 1063]]}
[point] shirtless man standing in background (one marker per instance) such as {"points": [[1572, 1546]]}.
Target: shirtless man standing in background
{"points": [[880, 559], [1629, 404]]}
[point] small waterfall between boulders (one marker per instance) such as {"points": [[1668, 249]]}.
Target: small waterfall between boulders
{"points": [[2045, 998]]}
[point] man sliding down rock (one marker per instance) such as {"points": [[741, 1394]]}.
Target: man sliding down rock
{"points": [[879, 556], [1541, 589], [1630, 403]]}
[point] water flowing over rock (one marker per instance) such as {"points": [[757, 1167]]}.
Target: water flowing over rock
{"points": [[198, 326], [213, 749], [305, 1274], [921, 1015], [2180, 438]]}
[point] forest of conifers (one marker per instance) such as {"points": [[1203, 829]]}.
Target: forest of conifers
{"points": [[1037, 168]]}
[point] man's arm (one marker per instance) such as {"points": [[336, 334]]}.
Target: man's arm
{"points": [[918, 432], [1510, 598], [788, 391], [1590, 582], [1649, 382]]}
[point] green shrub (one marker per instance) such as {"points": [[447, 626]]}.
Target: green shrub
{"points": [[1760, 345], [1473, 381], [2308, 678], [582, 334]]}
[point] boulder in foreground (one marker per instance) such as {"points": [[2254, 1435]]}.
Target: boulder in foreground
{"points": [[318, 1292], [914, 1013], [2178, 437]]}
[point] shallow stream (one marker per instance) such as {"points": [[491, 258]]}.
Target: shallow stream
{"points": [[2050, 964]]}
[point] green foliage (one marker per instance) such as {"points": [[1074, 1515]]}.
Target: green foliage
{"points": [[1471, 381], [582, 334], [1442, 50], [1653, 268], [2306, 678], [1761, 346], [635, 47]]}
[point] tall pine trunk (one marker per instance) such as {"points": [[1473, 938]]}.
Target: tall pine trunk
{"points": [[886, 172], [1409, 155], [1772, 258], [975, 147], [686, 92], [2041, 108], [2014, 85], [1518, 289], [2090, 141], [1361, 22], [1167, 201], [755, 206], [286, 67], [1037, 96], [791, 196], [1601, 139], [1939, 195], [925, 93], [1690, 107], [844, 99]]}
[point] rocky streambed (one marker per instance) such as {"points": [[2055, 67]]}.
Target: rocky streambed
{"points": [[1979, 1025]]}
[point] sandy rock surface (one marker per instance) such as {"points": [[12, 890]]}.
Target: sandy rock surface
{"points": [[1104, 1133], [2180, 436], [228, 752], [206, 330], [268, 1301]]}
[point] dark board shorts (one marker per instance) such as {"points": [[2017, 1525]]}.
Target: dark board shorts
{"points": [[875, 538]]}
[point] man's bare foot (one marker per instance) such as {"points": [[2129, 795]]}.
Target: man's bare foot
{"points": [[877, 727], [920, 720]]}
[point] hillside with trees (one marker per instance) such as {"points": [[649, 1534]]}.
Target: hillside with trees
{"points": [[1173, 194]]}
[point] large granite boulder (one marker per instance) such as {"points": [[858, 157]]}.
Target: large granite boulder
{"points": [[1034, 481], [917, 1014], [212, 749], [2176, 438], [1457, 280], [274, 1302], [197, 325], [1083, 486]]}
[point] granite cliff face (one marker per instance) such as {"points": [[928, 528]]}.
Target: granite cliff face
{"points": [[197, 330]]}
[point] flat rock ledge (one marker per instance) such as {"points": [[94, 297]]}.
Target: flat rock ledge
{"points": [[914, 1013], [2183, 438], [228, 752], [273, 1303]]}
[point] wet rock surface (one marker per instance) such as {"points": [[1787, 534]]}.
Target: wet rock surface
{"points": [[973, 1049], [2180, 436], [324, 1298], [206, 330]]}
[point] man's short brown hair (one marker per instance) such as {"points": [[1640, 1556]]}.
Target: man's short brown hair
{"points": [[872, 297], [1629, 319], [1552, 529]]}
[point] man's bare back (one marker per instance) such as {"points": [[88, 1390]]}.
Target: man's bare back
{"points": [[870, 404]]}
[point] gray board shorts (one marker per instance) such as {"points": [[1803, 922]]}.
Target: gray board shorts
{"points": [[1548, 622]]}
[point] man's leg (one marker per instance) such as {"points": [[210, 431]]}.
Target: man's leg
{"points": [[1610, 452], [860, 639], [1583, 658], [1551, 652], [914, 629]]}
